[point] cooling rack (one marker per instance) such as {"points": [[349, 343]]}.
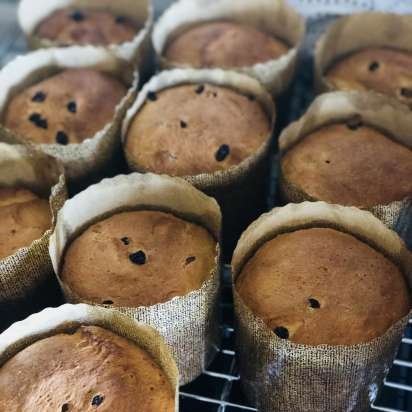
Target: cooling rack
{"points": [[218, 388]]}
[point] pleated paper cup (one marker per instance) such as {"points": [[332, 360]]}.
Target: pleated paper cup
{"points": [[281, 376], [241, 189], [91, 157], [356, 32], [188, 323], [24, 274], [375, 110], [68, 318], [276, 18], [138, 51]]}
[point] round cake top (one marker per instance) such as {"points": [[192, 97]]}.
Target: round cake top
{"points": [[139, 258], [90, 369], [187, 130], [350, 164], [68, 107], [384, 70], [24, 218], [98, 27], [223, 44], [322, 286]]}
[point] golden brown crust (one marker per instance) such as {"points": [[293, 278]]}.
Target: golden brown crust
{"points": [[361, 293], [97, 27], [178, 257], [384, 70], [182, 131], [224, 44], [75, 102], [24, 218], [91, 369], [360, 167]]}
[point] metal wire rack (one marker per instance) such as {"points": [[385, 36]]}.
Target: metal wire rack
{"points": [[218, 389]]}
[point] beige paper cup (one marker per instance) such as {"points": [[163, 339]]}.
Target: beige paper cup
{"points": [[27, 270], [281, 376], [241, 189], [378, 111], [188, 323], [67, 318], [353, 33], [137, 51], [93, 155], [274, 17]]}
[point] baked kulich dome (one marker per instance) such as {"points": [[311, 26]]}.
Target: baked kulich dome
{"points": [[24, 218], [71, 26], [384, 70], [223, 44], [322, 286], [68, 107], [191, 129], [139, 258], [87, 370], [349, 164]]}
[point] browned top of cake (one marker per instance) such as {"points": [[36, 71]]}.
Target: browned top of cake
{"points": [[91, 369], [192, 129], [66, 108], [350, 165], [139, 259], [224, 44], [387, 71], [321, 286], [24, 218], [98, 27]]}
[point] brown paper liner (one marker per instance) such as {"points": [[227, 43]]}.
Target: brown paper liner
{"points": [[356, 32], [30, 266], [188, 323], [93, 155], [381, 112], [138, 51], [274, 17], [282, 376], [241, 189], [67, 318]]}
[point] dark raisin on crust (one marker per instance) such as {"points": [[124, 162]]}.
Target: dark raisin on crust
{"points": [[138, 258], [152, 96], [38, 120], [373, 66], [65, 407], [314, 303], [107, 302], [125, 240], [190, 259], [72, 107], [200, 89], [406, 92], [354, 122], [183, 124], [222, 153], [97, 400], [281, 332], [62, 138], [77, 15], [39, 97]]}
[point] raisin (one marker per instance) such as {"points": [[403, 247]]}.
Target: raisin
{"points": [[281, 332], [62, 138], [152, 96], [120, 19], [222, 152], [39, 97], [138, 258], [97, 400], [34, 117], [125, 240], [190, 260], [354, 123], [314, 303], [72, 107], [38, 120], [107, 302], [373, 66], [200, 89], [405, 92], [183, 124], [77, 15], [65, 407]]}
